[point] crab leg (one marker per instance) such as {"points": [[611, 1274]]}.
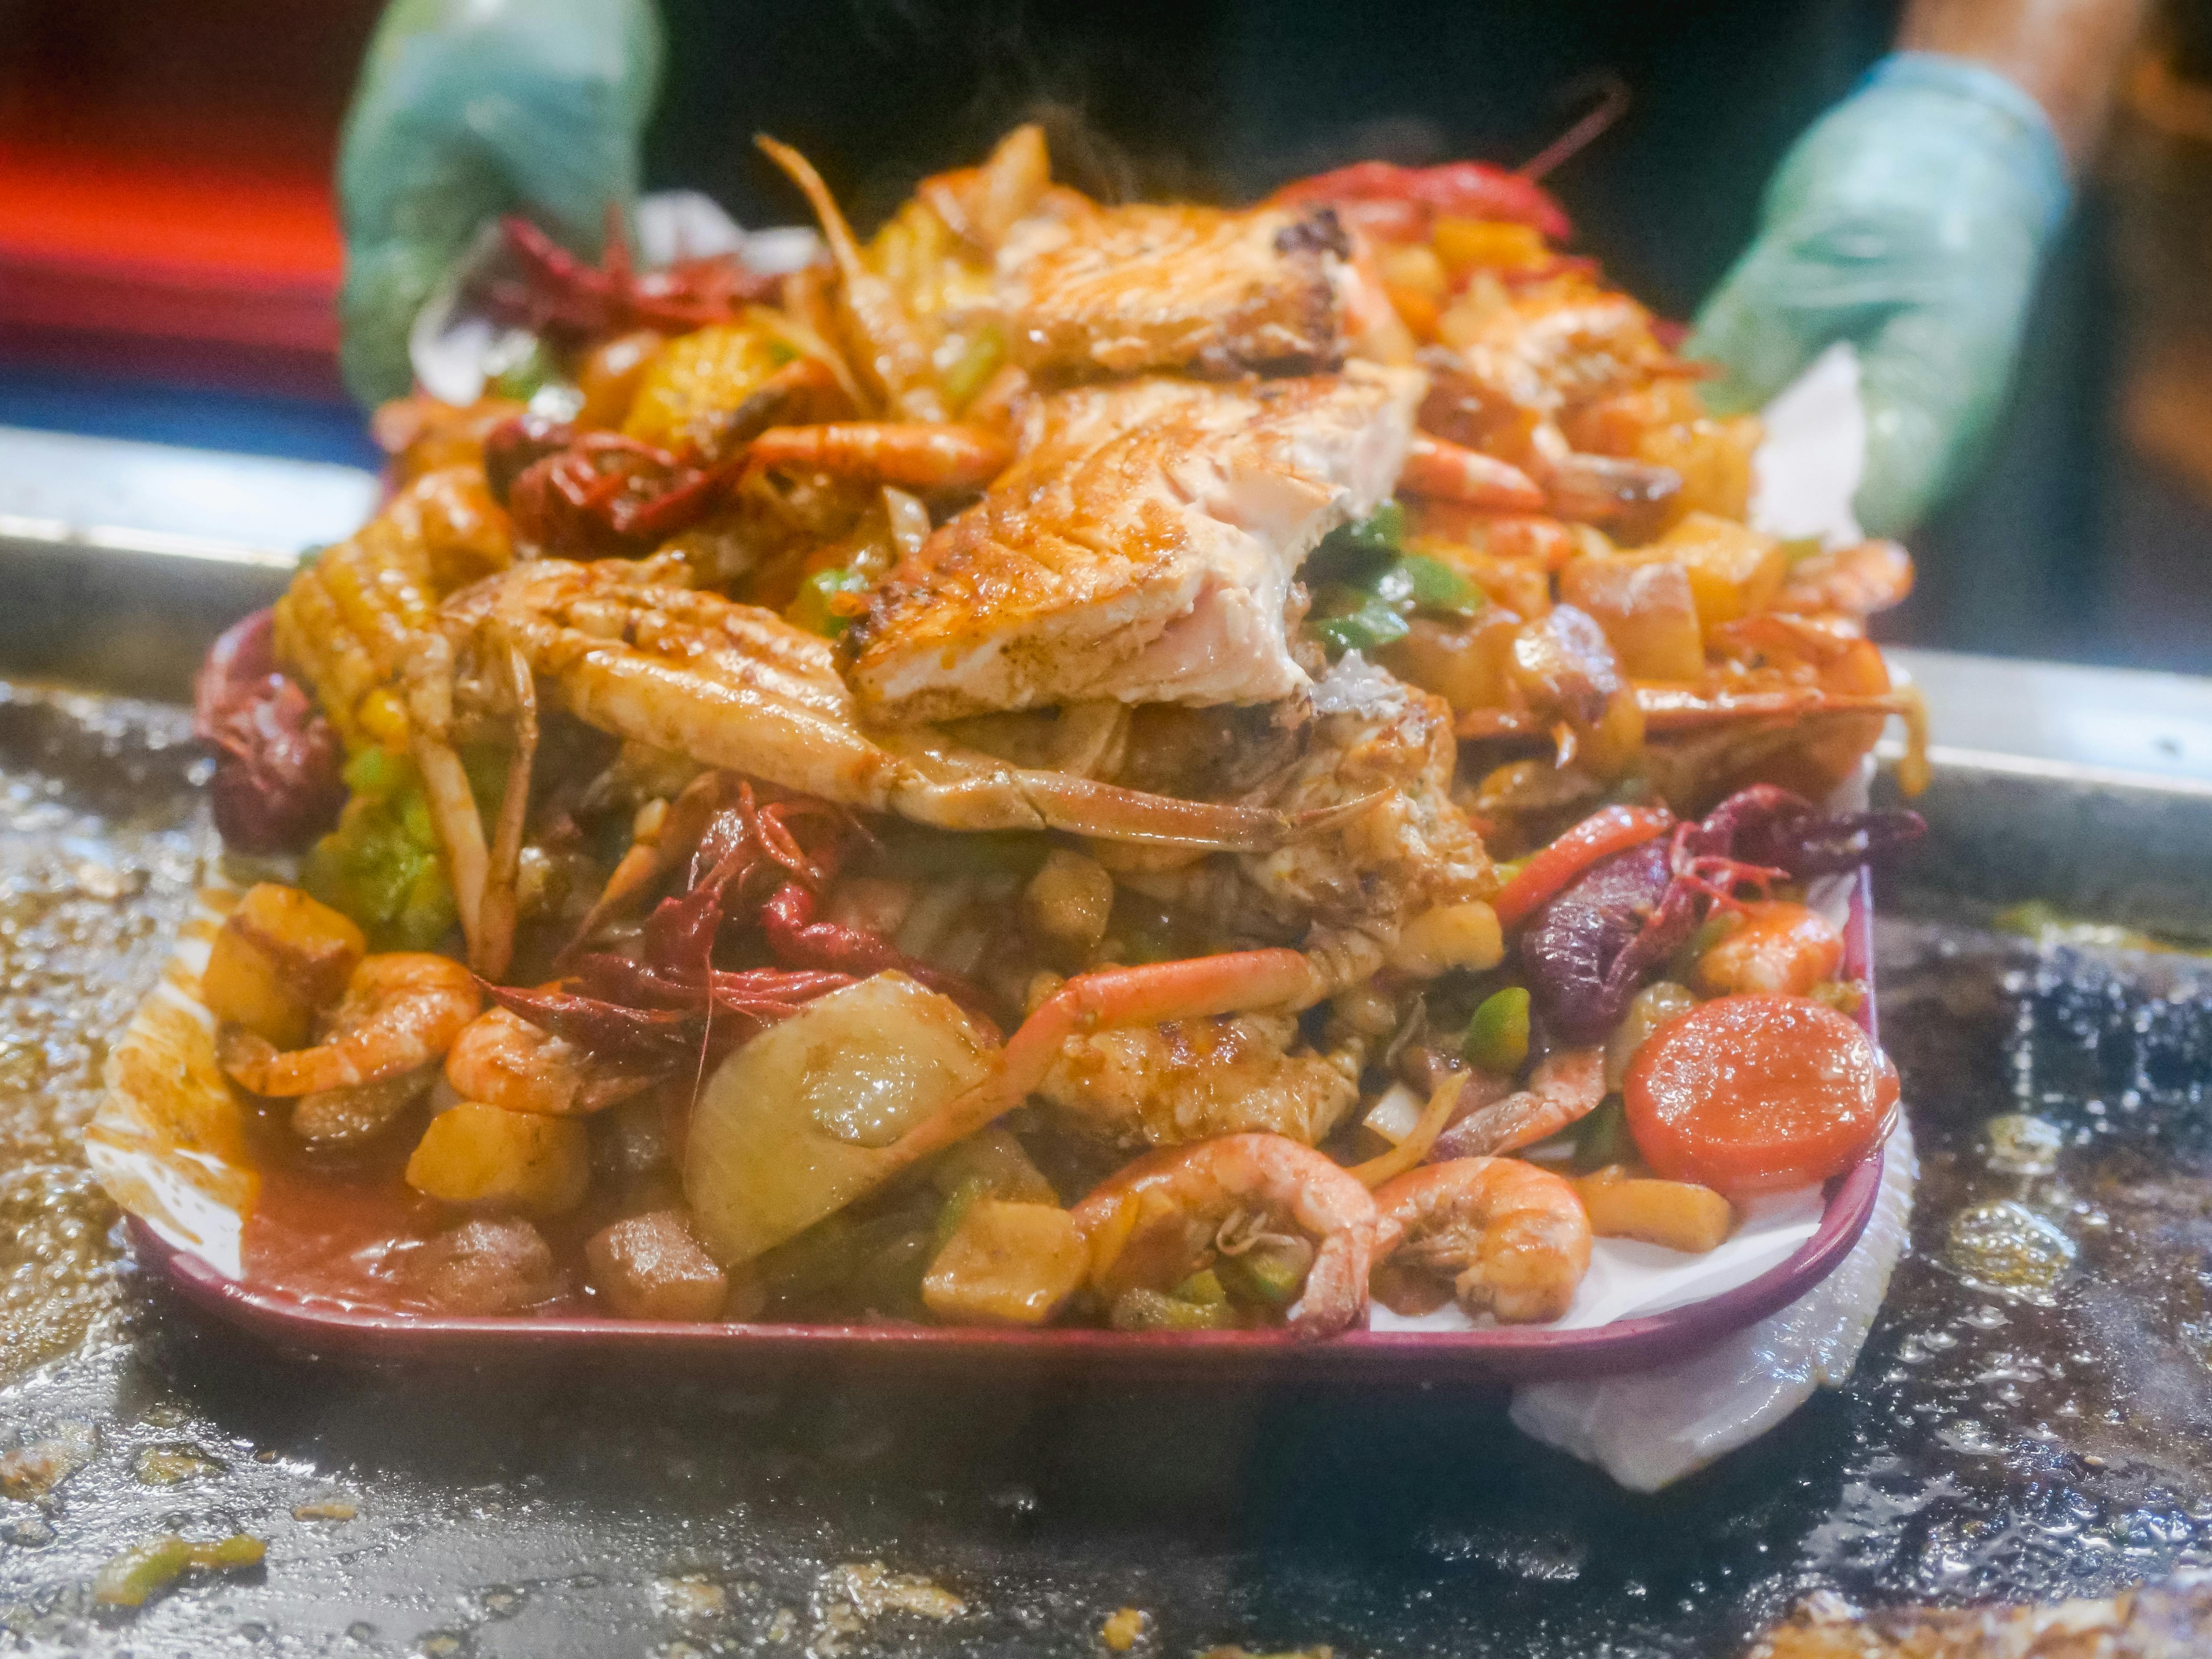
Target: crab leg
{"points": [[736, 687], [1670, 709]]}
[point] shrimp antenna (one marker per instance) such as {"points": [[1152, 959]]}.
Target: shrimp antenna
{"points": [[1612, 101], [800, 172]]}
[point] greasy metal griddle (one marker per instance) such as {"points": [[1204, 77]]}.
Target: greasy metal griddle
{"points": [[1986, 1446]]}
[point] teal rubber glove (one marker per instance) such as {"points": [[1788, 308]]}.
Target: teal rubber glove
{"points": [[469, 108], [1910, 220]]}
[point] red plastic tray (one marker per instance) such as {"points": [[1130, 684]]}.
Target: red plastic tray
{"points": [[1503, 1353]]}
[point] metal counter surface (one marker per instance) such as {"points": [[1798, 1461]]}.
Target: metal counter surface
{"points": [[1992, 1443]]}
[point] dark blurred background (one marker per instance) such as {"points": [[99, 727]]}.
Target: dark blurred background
{"points": [[168, 250]]}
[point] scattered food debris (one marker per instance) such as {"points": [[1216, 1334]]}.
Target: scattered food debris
{"points": [[325, 1509], [126, 1580], [1122, 1628], [172, 1465], [29, 1473], [692, 1596]]}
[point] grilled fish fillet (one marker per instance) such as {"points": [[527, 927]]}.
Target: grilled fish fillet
{"points": [[1141, 549], [1120, 290]]}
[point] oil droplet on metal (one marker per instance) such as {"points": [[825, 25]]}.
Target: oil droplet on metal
{"points": [[2006, 1247], [2021, 1145]]}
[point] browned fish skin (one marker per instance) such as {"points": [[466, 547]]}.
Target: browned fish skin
{"points": [[2172, 1621], [1122, 289], [1140, 550]]}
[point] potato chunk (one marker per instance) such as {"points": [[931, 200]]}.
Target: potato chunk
{"points": [[473, 1153], [1734, 570], [789, 1129], [1647, 612], [1007, 1264], [279, 958], [650, 1267], [1680, 1215]]}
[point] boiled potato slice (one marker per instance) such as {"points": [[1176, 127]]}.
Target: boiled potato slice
{"points": [[1680, 1215], [1007, 1264], [792, 1126], [473, 1153], [277, 959]]}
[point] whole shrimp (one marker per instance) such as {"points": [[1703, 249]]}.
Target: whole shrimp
{"points": [[401, 1010], [1565, 1087], [503, 1059], [1153, 1222], [1513, 1239]]}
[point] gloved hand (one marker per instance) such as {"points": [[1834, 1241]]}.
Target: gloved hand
{"points": [[1911, 220], [467, 108]]}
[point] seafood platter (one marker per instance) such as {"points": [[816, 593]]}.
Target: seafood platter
{"points": [[1214, 792]]}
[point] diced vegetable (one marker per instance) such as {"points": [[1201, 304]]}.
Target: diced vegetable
{"points": [[610, 375], [1734, 570], [1142, 1309], [381, 865], [1273, 1274], [1750, 1094], [1466, 664], [1434, 589], [1447, 936], [1396, 1114], [1068, 901], [1497, 244], [1007, 1264], [1780, 947], [651, 1266], [279, 958], [787, 1130], [972, 370], [1677, 1215], [700, 377], [827, 604], [1647, 1011], [473, 1153], [1602, 1137], [1344, 619], [521, 373], [1366, 588], [1547, 870], [1496, 1038], [1645, 609], [126, 1580], [995, 1159]]}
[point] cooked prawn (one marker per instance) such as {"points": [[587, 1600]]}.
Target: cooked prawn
{"points": [[401, 1010], [1564, 1088], [918, 454], [1513, 1239], [503, 1059], [1158, 1221], [1453, 472]]}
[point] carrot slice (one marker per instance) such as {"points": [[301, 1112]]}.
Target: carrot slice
{"points": [[1609, 830], [1753, 1094]]}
